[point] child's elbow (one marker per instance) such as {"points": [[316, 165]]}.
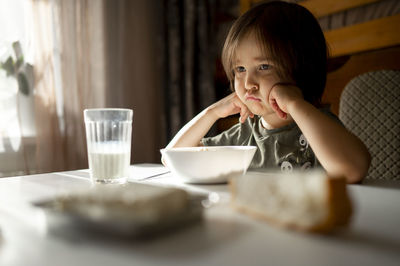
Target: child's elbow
{"points": [[359, 168]]}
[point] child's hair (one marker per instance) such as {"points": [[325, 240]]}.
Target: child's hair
{"points": [[292, 38]]}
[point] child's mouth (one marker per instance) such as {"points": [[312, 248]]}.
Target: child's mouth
{"points": [[252, 98]]}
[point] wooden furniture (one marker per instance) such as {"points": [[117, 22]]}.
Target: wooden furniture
{"points": [[355, 48], [224, 237]]}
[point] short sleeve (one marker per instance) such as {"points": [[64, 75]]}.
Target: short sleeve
{"points": [[226, 138]]}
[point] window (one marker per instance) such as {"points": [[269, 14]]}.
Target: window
{"points": [[17, 120]]}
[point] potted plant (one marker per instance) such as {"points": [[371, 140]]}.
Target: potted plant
{"points": [[16, 67], [17, 109]]}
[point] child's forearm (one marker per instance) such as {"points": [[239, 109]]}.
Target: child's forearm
{"points": [[192, 133], [338, 150]]}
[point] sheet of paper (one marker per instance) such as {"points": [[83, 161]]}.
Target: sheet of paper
{"points": [[140, 172]]}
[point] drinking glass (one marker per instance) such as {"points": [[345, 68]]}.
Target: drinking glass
{"points": [[108, 136]]}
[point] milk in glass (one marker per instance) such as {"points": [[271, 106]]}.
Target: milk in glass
{"points": [[110, 161]]}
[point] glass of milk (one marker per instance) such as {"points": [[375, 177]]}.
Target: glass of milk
{"points": [[108, 136]]}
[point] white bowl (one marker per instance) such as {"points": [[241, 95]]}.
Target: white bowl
{"points": [[210, 164]]}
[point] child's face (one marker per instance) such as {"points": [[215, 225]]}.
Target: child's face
{"points": [[255, 74]]}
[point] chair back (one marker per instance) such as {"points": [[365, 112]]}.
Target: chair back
{"points": [[370, 109]]}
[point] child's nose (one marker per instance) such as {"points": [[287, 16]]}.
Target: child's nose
{"points": [[251, 83]]}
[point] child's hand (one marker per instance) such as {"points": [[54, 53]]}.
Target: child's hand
{"points": [[231, 105], [281, 95]]}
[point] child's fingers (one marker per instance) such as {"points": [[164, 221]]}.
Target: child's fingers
{"points": [[244, 112], [278, 110], [274, 103], [245, 115]]}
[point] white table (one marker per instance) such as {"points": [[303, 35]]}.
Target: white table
{"points": [[225, 237]]}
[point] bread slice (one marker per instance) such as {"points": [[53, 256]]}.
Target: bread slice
{"points": [[138, 202], [307, 201], [132, 210]]}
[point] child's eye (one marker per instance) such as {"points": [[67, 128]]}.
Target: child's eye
{"points": [[240, 69], [265, 67]]}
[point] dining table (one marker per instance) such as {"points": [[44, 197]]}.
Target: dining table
{"points": [[223, 236]]}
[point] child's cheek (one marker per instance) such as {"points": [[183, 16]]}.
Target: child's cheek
{"points": [[239, 88]]}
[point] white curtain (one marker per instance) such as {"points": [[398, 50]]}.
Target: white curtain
{"points": [[90, 54], [69, 77]]}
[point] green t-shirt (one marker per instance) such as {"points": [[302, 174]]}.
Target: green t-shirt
{"points": [[283, 148]]}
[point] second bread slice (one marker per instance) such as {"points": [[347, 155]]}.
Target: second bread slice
{"points": [[307, 201]]}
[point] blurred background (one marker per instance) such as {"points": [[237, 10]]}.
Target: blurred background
{"points": [[157, 57], [59, 57]]}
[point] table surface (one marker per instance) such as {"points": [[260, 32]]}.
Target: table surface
{"points": [[223, 237]]}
